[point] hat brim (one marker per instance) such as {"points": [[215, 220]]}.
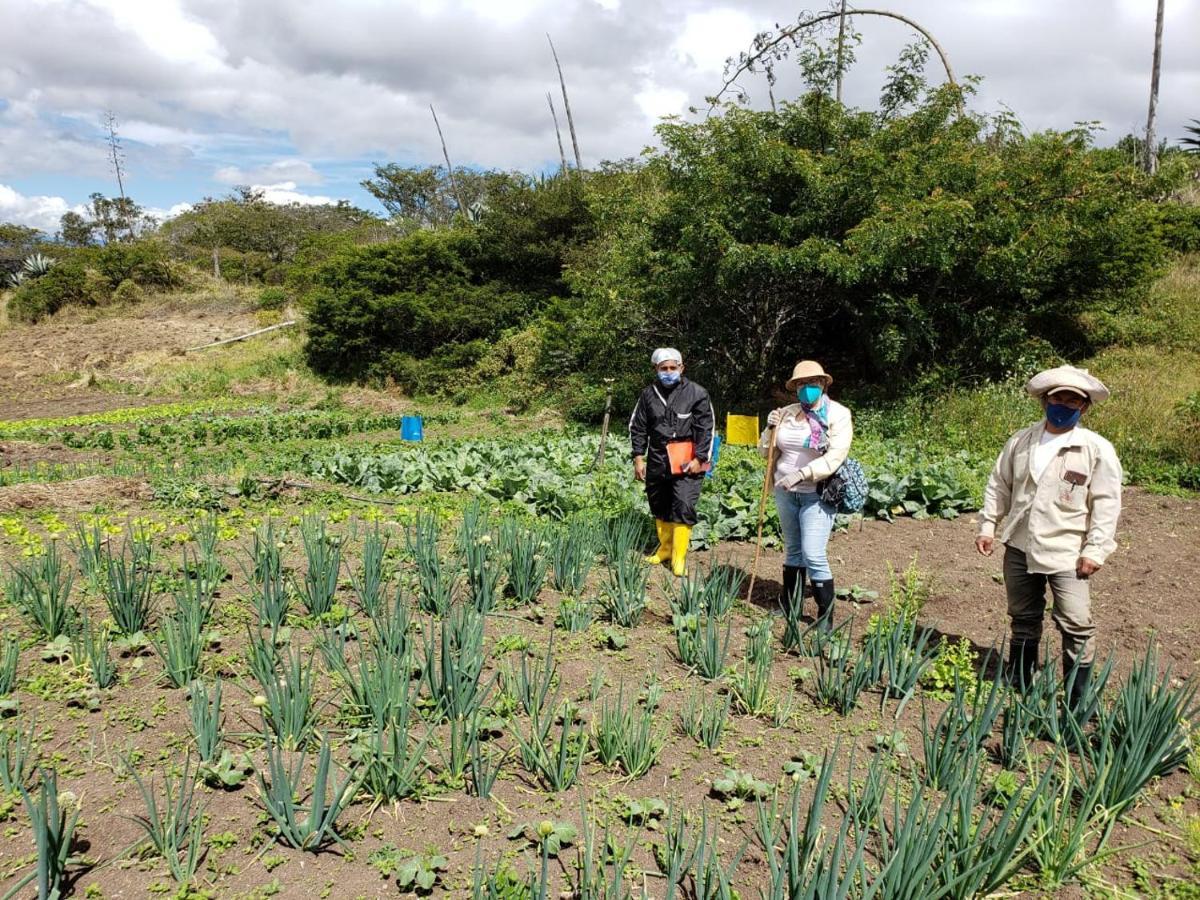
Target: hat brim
{"points": [[1080, 392], [827, 380]]}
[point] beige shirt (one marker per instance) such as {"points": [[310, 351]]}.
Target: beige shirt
{"points": [[1069, 512], [803, 468]]}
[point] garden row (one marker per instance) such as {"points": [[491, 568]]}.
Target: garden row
{"points": [[421, 706]]}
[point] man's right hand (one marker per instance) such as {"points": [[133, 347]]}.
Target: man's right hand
{"points": [[639, 468], [985, 544]]}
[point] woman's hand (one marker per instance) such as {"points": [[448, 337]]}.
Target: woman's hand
{"points": [[774, 417]]}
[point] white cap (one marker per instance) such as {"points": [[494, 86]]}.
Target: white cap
{"points": [[664, 354]]}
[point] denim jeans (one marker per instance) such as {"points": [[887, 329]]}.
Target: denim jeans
{"points": [[806, 523]]}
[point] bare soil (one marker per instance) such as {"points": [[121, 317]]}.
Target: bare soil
{"points": [[1150, 586], [49, 370]]}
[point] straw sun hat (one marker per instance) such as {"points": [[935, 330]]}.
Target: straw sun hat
{"points": [[806, 369], [1068, 378]]}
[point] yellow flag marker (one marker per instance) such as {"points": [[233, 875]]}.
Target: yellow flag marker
{"points": [[741, 430]]}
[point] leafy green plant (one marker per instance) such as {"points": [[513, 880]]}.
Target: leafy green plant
{"points": [[180, 642], [550, 838], [575, 614], [17, 756], [176, 828], [602, 861], [91, 647], [624, 734], [204, 708], [750, 685], [953, 664], [714, 592], [88, 543], [53, 834], [454, 662], [421, 872], [898, 655], [1143, 736], [10, 656], [555, 761], [702, 643], [369, 580], [703, 719], [437, 581], [524, 564], [41, 588], [739, 785], [392, 763], [286, 692], [572, 552], [623, 597], [229, 770], [323, 552], [129, 586], [310, 823]]}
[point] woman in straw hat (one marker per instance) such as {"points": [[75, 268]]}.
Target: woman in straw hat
{"points": [[1055, 493], [673, 418], [812, 440]]}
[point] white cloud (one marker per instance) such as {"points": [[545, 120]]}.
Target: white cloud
{"points": [[39, 212], [298, 171], [711, 37], [657, 102], [285, 192]]}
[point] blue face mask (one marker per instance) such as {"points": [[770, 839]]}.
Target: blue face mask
{"points": [[1061, 416], [809, 394], [668, 379]]}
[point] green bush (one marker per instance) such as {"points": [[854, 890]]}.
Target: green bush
{"points": [[143, 262], [128, 291], [65, 283], [883, 246], [273, 298], [378, 307]]}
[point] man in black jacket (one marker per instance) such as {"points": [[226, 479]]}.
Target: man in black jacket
{"points": [[673, 410]]}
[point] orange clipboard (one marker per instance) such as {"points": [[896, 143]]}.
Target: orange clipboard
{"points": [[680, 453]]}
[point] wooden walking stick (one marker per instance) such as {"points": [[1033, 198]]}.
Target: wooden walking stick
{"points": [[762, 509]]}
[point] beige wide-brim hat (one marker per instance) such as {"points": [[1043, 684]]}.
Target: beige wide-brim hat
{"points": [[806, 369], [1068, 378]]}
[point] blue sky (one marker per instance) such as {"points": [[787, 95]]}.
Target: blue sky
{"points": [[301, 97]]}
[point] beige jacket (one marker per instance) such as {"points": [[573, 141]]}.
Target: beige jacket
{"points": [[840, 435], [1070, 512]]}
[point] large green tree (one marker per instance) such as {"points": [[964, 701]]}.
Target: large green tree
{"points": [[883, 245]]}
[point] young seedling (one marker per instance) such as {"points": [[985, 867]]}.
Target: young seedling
{"points": [[703, 719]]}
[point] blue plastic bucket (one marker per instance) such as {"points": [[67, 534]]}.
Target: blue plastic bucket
{"points": [[716, 455], [412, 428]]}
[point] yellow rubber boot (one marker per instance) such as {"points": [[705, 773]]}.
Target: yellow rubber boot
{"points": [[680, 536], [663, 553]]}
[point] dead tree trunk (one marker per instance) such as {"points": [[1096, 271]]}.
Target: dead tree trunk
{"points": [[1151, 155], [567, 106], [462, 207]]}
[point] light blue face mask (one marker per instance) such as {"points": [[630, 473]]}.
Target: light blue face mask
{"points": [[809, 394], [667, 379]]}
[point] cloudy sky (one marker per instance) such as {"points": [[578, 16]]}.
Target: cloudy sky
{"points": [[301, 97]]}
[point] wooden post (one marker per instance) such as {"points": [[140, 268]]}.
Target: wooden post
{"points": [[608, 383]]}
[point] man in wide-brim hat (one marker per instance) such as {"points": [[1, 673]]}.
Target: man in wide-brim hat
{"points": [[1055, 494]]}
